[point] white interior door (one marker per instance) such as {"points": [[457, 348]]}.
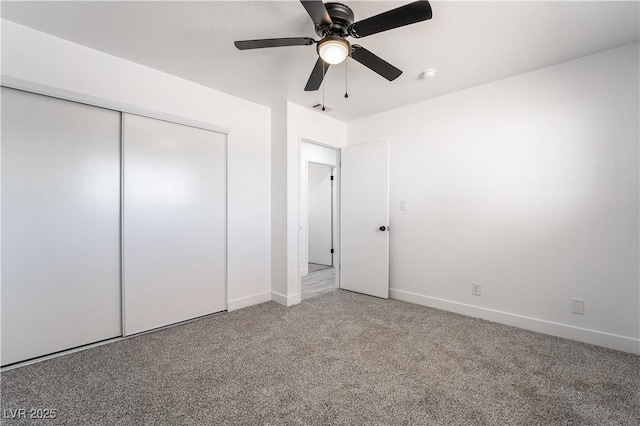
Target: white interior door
{"points": [[174, 223], [364, 240], [60, 225], [320, 214]]}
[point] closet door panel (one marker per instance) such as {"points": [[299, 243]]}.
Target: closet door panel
{"points": [[174, 251], [60, 225]]}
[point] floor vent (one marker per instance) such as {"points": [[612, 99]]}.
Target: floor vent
{"points": [[319, 107]]}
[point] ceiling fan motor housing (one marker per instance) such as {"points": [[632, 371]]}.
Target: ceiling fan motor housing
{"points": [[342, 17]]}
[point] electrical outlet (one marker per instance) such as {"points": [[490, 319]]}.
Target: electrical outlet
{"points": [[476, 289], [403, 205], [577, 306]]}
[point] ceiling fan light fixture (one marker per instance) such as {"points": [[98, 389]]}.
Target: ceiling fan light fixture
{"points": [[334, 50]]}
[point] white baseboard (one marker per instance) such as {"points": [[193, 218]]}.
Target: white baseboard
{"points": [[243, 302], [295, 299], [304, 272], [287, 301], [593, 337]]}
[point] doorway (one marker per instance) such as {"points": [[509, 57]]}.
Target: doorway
{"points": [[318, 257], [321, 271], [320, 217]]}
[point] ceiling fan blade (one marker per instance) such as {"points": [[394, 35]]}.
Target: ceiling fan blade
{"points": [[317, 11], [273, 42], [317, 75], [375, 63], [404, 15]]}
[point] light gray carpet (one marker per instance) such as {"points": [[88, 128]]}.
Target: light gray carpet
{"points": [[313, 267], [336, 359], [318, 282]]}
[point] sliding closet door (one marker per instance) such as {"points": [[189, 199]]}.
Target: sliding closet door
{"points": [[174, 223], [60, 225]]}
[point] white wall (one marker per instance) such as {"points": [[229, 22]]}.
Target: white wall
{"points": [[40, 58], [279, 203], [529, 186]]}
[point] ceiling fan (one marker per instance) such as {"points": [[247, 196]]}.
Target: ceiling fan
{"points": [[333, 24]]}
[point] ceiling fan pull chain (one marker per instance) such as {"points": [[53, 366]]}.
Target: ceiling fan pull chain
{"points": [[323, 84], [346, 78]]}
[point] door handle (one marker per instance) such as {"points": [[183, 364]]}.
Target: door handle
{"points": [[384, 228]]}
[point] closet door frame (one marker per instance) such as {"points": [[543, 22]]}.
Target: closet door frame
{"points": [[68, 95], [120, 107]]}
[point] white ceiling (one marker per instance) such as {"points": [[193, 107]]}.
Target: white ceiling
{"points": [[469, 43]]}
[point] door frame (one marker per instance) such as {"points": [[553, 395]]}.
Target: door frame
{"points": [[303, 210]]}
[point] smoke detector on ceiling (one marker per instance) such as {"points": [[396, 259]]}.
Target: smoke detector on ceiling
{"points": [[428, 73]]}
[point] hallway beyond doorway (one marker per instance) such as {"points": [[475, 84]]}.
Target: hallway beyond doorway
{"points": [[318, 282]]}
